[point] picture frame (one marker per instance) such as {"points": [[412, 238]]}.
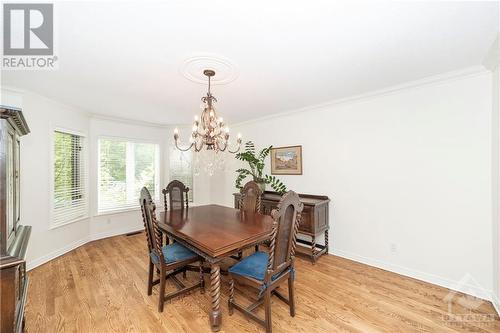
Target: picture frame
{"points": [[286, 160]]}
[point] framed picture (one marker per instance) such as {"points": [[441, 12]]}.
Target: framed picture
{"points": [[286, 160]]}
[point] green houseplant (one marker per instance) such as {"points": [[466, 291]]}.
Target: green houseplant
{"points": [[256, 166]]}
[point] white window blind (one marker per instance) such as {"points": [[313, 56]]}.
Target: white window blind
{"points": [[181, 168], [124, 168], [70, 179]]}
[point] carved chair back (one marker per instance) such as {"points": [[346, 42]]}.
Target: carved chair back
{"points": [[177, 195], [284, 234], [250, 199], [153, 232]]}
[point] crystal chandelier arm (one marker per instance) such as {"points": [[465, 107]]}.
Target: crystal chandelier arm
{"points": [[238, 141], [217, 142], [237, 148], [181, 149], [196, 148]]}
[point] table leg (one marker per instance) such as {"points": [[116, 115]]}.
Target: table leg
{"points": [[215, 315]]}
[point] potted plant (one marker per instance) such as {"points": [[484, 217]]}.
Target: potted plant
{"points": [[256, 167]]}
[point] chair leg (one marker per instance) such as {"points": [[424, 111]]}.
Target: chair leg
{"points": [[150, 278], [267, 306], [256, 248], [291, 295], [202, 279], [162, 290], [231, 297], [184, 274]]}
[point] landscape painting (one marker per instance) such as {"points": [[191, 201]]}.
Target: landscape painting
{"points": [[286, 160]]}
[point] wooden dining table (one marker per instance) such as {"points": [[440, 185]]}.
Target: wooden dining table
{"points": [[215, 232]]}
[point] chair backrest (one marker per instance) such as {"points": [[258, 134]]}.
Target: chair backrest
{"points": [[250, 198], [177, 195], [284, 233], [153, 232]]}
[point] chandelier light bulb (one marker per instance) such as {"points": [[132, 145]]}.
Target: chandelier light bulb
{"points": [[226, 129], [176, 130], [221, 120], [196, 118], [239, 135], [195, 128]]}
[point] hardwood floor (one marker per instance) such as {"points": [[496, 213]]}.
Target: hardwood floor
{"points": [[101, 287]]}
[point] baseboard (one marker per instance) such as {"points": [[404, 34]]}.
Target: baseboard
{"points": [[115, 232], [496, 304], [54, 254], [65, 249], [460, 286]]}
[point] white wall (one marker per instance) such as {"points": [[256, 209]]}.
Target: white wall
{"points": [[491, 61], [496, 183], [43, 116], [410, 168], [496, 187]]}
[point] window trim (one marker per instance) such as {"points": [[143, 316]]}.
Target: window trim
{"points": [[96, 212], [85, 154]]}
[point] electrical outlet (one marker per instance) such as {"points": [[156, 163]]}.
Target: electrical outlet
{"points": [[394, 248]]}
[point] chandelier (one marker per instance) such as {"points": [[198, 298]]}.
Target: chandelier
{"points": [[209, 130]]}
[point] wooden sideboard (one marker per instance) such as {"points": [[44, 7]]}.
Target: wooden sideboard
{"points": [[13, 236], [314, 223]]}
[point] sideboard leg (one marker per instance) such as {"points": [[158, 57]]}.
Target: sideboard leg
{"points": [[313, 249], [215, 315], [326, 241]]}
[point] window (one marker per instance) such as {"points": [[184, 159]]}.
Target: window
{"points": [[70, 179], [124, 168], [181, 168]]}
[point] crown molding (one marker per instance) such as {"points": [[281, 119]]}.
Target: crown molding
{"points": [[435, 79], [128, 121], [430, 80], [23, 92]]}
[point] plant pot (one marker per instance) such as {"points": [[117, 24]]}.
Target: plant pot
{"points": [[262, 185]]}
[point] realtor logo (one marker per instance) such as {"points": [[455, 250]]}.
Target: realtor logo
{"points": [[28, 36], [463, 309]]}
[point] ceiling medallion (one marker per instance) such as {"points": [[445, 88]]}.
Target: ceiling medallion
{"points": [[209, 130], [192, 69]]}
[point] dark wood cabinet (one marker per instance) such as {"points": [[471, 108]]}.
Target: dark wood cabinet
{"points": [[13, 236], [314, 223]]}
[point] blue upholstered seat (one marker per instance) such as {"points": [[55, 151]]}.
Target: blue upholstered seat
{"points": [[173, 252], [253, 266]]}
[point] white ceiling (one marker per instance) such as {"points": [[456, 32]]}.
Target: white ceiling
{"points": [[124, 59]]}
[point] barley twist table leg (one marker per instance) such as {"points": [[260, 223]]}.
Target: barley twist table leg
{"points": [[216, 315], [231, 296]]}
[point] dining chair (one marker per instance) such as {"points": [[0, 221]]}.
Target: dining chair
{"points": [[266, 271], [177, 195], [250, 201], [250, 198], [172, 258]]}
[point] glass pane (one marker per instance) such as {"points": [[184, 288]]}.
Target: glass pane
{"points": [[112, 173], [69, 178], [144, 158], [10, 184], [18, 181]]}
